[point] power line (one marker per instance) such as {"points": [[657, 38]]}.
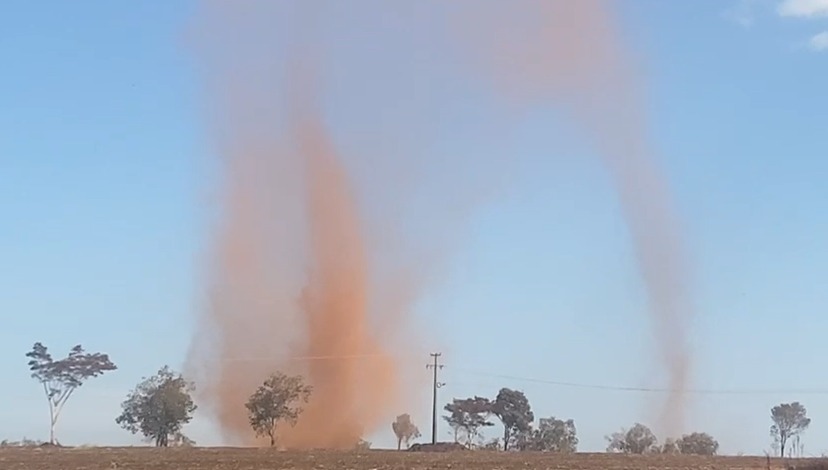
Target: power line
{"points": [[592, 386], [618, 388], [306, 358]]}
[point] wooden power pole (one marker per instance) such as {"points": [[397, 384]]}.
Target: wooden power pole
{"points": [[435, 385]]}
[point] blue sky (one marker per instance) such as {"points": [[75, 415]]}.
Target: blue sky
{"points": [[106, 167]]}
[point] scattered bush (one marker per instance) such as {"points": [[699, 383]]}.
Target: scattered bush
{"points": [[438, 447], [25, 442]]}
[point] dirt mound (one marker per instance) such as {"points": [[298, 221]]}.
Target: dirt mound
{"points": [[438, 447]]}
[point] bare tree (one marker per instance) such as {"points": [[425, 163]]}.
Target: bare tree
{"points": [[798, 447], [60, 378], [789, 421]]}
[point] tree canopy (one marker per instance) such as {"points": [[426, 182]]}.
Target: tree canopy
{"points": [[637, 440], [467, 416], [513, 409], [554, 435], [159, 407], [697, 443], [277, 399], [60, 378]]}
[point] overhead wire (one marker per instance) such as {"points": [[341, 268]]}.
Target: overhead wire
{"points": [[621, 388], [558, 383], [306, 358]]}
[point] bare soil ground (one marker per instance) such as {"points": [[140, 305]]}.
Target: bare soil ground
{"points": [[266, 459]]}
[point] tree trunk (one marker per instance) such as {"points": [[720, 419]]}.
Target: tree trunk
{"points": [[782, 442], [505, 438], [52, 416], [55, 407], [399, 443], [272, 440]]}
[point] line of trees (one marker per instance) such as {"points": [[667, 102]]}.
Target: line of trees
{"points": [[639, 439], [468, 417], [162, 404]]}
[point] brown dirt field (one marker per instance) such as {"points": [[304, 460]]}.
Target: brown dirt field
{"points": [[261, 459]]}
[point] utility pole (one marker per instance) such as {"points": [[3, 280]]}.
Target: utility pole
{"points": [[434, 366]]}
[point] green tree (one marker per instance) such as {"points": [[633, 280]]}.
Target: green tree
{"points": [[697, 443], [274, 401], [466, 416], [514, 412], [555, 435], [60, 378], [405, 430], [637, 440], [159, 407], [789, 421]]}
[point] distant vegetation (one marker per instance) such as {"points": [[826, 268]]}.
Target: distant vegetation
{"points": [[160, 406], [21, 443], [467, 416]]}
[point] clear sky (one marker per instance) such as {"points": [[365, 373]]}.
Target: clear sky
{"points": [[106, 166]]}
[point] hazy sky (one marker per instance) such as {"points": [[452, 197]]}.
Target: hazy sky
{"points": [[106, 168]]}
